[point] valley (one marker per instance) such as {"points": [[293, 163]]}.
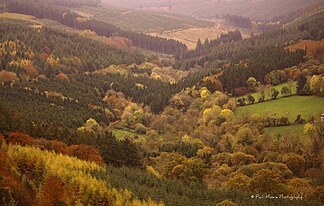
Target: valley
{"points": [[161, 103], [190, 36], [260, 10], [166, 25]]}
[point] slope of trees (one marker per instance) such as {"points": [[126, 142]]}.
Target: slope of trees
{"points": [[257, 55], [313, 27], [260, 63], [69, 18], [46, 178], [52, 52], [238, 21]]}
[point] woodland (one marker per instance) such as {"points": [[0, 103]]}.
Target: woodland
{"points": [[83, 122]]}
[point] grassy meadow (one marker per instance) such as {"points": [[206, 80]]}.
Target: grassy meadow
{"points": [[277, 132], [278, 87], [123, 134], [290, 107]]}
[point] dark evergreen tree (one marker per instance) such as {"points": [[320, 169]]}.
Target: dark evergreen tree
{"points": [[301, 82]]}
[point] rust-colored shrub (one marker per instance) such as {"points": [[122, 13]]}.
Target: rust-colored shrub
{"points": [[31, 71], [85, 152], [62, 76], [19, 138], [57, 146], [10, 186], [6, 76], [2, 140], [53, 192]]}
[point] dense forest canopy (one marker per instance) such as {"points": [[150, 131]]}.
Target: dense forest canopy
{"points": [[69, 18], [83, 122], [52, 51]]}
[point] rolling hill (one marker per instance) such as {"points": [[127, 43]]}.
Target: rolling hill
{"points": [[260, 10], [142, 21], [181, 28], [83, 122]]}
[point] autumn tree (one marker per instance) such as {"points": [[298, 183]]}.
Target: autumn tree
{"points": [[252, 83], [226, 203], [186, 169], [244, 136], [317, 85], [210, 115], [315, 175], [240, 158], [205, 153], [296, 163], [226, 115], [317, 194], [239, 182], [285, 91], [315, 132], [299, 186], [54, 192], [85, 152], [204, 93], [266, 181]]}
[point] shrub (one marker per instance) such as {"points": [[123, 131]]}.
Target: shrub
{"points": [[140, 129], [295, 163], [266, 181], [85, 152], [240, 158], [226, 203]]}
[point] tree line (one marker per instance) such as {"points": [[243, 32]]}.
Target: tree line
{"points": [[69, 18]]}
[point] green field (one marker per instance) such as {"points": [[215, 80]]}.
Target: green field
{"points": [[278, 87], [290, 107], [140, 21], [277, 132], [22, 17], [122, 134]]}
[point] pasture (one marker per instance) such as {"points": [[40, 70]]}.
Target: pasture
{"points": [[290, 107]]}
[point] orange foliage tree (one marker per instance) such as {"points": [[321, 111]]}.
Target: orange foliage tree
{"points": [[85, 152], [10, 187], [53, 192], [266, 181]]}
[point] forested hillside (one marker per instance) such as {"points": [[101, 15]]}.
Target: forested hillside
{"points": [[262, 10], [70, 18], [255, 56], [234, 122], [142, 21], [50, 52]]}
